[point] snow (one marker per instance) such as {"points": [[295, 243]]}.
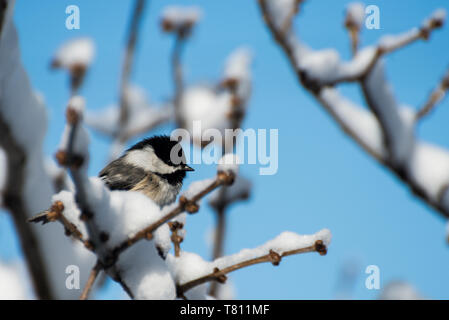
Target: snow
{"points": [[12, 282], [355, 14], [321, 64], [438, 15], [360, 122], [189, 266], [279, 10], [81, 141], [197, 186], [204, 106], [76, 52], [238, 67], [78, 104], [428, 166], [238, 63], [229, 163], [162, 239], [179, 16], [226, 291], [389, 42], [325, 66], [145, 273], [399, 132], [400, 290]]}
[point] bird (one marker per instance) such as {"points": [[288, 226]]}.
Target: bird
{"points": [[154, 166]]}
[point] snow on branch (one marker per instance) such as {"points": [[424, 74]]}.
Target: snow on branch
{"points": [[75, 56], [387, 130], [286, 244]]}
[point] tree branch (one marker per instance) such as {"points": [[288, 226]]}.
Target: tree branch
{"points": [[176, 64], [435, 97], [90, 281], [272, 256], [127, 65], [318, 89]]}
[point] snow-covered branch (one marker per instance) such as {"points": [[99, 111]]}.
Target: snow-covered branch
{"points": [[387, 130], [286, 244]]}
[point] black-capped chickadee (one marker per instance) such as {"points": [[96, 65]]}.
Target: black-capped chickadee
{"points": [[155, 166]]}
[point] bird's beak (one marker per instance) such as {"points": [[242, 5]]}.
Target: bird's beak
{"points": [[188, 168]]}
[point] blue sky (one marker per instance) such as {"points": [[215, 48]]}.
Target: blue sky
{"points": [[324, 180]]}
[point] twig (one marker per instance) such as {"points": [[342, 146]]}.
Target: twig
{"points": [[55, 214], [273, 257], [435, 97], [220, 213], [127, 65], [175, 237], [177, 75], [90, 281]]}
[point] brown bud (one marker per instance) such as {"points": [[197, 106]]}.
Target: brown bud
{"points": [[275, 258], [221, 278], [175, 225], [191, 207], [320, 247]]}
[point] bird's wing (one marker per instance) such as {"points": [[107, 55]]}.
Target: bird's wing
{"points": [[117, 177]]}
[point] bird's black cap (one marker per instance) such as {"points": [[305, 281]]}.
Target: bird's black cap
{"points": [[169, 151]]}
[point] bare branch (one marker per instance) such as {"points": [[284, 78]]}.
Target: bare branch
{"points": [[127, 65], [272, 256], [175, 237], [90, 281], [435, 97], [177, 74]]}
